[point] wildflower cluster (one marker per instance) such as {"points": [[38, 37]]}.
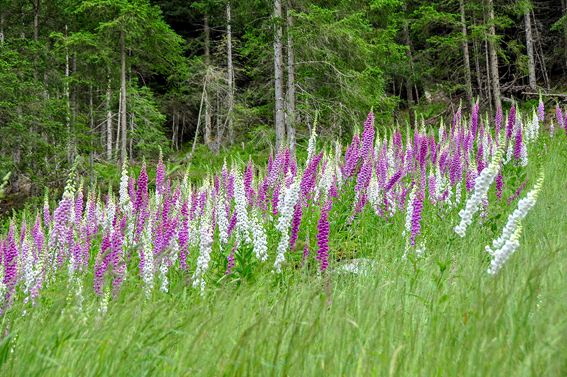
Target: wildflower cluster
{"points": [[182, 226]]}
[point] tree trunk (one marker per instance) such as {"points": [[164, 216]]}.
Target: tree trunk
{"points": [[530, 48], [466, 58], [123, 95], [108, 120], [35, 34], [131, 141], [2, 28], [409, 84], [208, 120], [118, 123], [477, 67], [68, 113], [495, 76], [477, 51], [230, 73], [173, 132], [487, 59], [279, 76], [291, 113], [540, 54], [74, 108], [91, 117]]}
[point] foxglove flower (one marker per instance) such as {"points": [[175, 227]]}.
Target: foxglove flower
{"points": [[474, 119], [351, 157], [46, 214], [367, 136], [286, 213], [231, 260], [248, 175], [205, 249], [409, 211], [160, 176], [518, 191], [259, 237], [323, 235], [518, 145], [306, 250], [416, 215], [393, 180], [524, 205], [79, 206], [125, 204], [362, 182], [142, 192], [147, 262], [296, 222], [511, 121], [432, 184], [498, 121], [501, 255], [559, 114], [481, 186], [541, 109], [242, 222], [312, 143], [274, 173], [499, 184]]}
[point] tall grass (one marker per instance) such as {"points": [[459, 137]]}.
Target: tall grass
{"points": [[442, 315]]}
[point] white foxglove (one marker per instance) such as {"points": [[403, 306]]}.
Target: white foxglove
{"points": [[481, 185]]}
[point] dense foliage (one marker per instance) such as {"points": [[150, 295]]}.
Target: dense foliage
{"points": [[106, 79]]}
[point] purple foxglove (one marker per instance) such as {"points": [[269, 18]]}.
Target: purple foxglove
{"points": [[511, 122], [160, 175], [559, 115], [351, 157], [323, 235], [474, 119], [518, 145], [498, 121], [248, 175], [393, 180], [499, 184], [518, 191], [276, 198], [101, 264], [416, 216], [367, 136], [541, 109], [142, 192], [296, 222]]}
